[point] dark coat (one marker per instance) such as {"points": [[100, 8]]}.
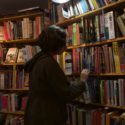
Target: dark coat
{"points": [[49, 92]]}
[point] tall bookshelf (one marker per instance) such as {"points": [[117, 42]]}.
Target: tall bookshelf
{"points": [[101, 53], [21, 32]]}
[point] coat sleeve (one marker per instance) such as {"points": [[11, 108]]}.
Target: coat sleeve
{"points": [[59, 83]]}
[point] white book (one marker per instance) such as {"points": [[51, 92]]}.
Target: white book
{"points": [[80, 8], [71, 10], [91, 4], [111, 25], [11, 55]]}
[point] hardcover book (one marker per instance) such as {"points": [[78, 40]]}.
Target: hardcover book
{"points": [[11, 55]]}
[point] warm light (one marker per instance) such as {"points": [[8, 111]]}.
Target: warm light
{"points": [[60, 1]]}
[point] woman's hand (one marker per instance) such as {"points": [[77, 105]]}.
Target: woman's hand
{"points": [[84, 74]]}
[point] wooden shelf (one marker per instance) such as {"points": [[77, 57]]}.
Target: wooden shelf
{"points": [[22, 89], [98, 104], [100, 74], [77, 18], [13, 113], [120, 39], [108, 74], [90, 13], [28, 40], [110, 106], [78, 74], [11, 64], [112, 74], [21, 16]]}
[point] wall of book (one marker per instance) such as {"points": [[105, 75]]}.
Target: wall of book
{"points": [[18, 36], [76, 8], [96, 41], [94, 116], [98, 59]]}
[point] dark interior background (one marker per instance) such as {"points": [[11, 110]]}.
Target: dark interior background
{"points": [[10, 7]]}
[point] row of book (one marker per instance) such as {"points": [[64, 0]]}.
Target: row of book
{"points": [[12, 102], [11, 120], [98, 59], [13, 79], [25, 28], [28, 27], [101, 27], [75, 7], [104, 91], [19, 55], [78, 115]]}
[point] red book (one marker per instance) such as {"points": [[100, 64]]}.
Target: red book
{"points": [[5, 31], [5, 102]]}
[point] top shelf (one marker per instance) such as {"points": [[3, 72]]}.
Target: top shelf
{"points": [[21, 16], [93, 12]]}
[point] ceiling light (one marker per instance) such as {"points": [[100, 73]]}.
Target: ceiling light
{"points": [[60, 1]]}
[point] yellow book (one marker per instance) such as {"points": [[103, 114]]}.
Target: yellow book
{"points": [[60, 60], [95, 4], [116, 57], [67, 63]]}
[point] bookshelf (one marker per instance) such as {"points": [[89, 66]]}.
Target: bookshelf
{"points": [[99, 94], [14, 85], [96, 11]]}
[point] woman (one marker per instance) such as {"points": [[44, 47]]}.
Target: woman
{"points": [[49, 89]]}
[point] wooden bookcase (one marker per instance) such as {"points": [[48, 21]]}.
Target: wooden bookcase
{"points": [[104, 104], [12, 84]]}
